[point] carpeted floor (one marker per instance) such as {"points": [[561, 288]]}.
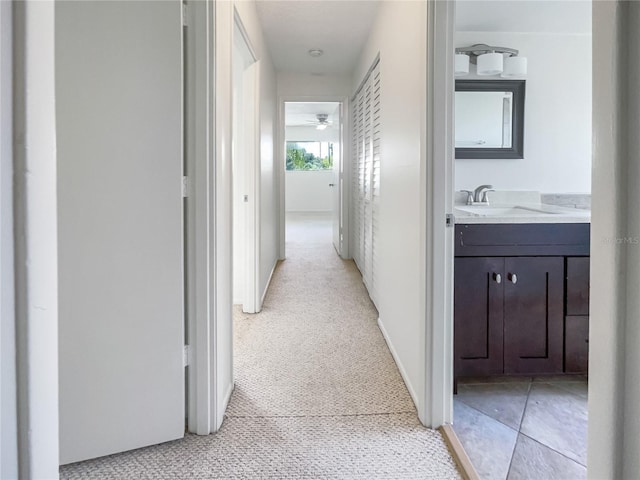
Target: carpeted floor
{"points": [[317, 396]]}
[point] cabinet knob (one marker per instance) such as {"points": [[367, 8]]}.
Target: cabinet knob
{"points": [[497, 277], [513, 278]]}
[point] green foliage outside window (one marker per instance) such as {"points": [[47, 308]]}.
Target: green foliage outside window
{"points": [[309, 156]]}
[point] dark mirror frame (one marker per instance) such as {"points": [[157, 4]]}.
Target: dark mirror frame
{"points": [[517, 124]]}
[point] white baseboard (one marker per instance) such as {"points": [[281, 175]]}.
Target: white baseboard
{"points": [[401, 368], [266, 287], [225, 403]]}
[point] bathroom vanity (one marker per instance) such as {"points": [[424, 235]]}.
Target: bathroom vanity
{"points": [[521, 290]]}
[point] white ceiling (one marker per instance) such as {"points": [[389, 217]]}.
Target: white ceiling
{"points": [[524, 16], [297, 114], [339, 27]]}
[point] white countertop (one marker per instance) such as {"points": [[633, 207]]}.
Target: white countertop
{"points": [[519, 213]]}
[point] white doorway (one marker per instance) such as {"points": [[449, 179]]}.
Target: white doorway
{"points": [[313, 164], [553, 169]]}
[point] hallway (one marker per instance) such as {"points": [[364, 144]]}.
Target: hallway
{"points": [[317, 393]]}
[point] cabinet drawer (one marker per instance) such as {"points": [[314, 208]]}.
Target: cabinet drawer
{"points": [[578, 285], [522, 239]]}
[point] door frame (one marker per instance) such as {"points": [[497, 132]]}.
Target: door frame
{"points": [[201, 217], [612, 443], [345, 162], [35, 237], [438, 187], [210, 299], [8, 394]]}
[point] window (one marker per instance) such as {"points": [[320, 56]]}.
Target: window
{"points": [[309, 156]]}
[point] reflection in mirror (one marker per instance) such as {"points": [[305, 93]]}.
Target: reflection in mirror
{"points": [[489, 119], [483, 119]]}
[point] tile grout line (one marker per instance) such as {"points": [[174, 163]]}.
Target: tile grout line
{"points": [[530, 384], [518, 432], [488, 416], [555, 385], [553, 450]]}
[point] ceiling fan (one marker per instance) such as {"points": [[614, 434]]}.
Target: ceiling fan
{"points": [[322, 121]]}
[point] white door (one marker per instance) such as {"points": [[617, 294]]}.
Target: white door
{"points": [[119, 135], [246, 174], [337, 186]]}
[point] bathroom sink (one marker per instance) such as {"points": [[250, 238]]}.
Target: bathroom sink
{"points": [[506, 211]]}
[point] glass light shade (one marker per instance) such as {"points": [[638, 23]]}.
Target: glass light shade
{"points": [[515, 67], [490, 64], [461, 64]]}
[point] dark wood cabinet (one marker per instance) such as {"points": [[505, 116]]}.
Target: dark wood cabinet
{"points": [[508, 315], [576, 344], [521, 314], [533, 315], [576, 335], [578, 285], [478, 321]]}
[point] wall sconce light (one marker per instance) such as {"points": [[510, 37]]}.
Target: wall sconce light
{"points": [[490, 61], [461, 64], [514, 67]]}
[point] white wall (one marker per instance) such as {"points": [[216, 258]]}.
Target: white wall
{"points": [[399, 35], [301, 134], [557, 136], [8, 407], [309, 191], [307, 85]]}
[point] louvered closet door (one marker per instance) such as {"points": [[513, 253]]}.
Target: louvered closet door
{"points": [[368, 169], [361, 180], [366, 178], [375, 182], [358, 183], [355, 208]]}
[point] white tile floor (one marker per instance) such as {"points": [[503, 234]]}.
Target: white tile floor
{"points": [[524, 428]]}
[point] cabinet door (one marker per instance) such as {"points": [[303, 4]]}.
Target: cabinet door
{"points": [[578, 285], [478, 312], [533, 314], [576, 347]]}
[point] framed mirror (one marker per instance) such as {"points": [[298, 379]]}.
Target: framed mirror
{"points": [[489, 119]]}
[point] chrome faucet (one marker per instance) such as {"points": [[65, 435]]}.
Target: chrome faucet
{"points": [[469, 196], [480, 193]]}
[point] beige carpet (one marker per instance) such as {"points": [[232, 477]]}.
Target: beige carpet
{"points": [[317, 394]]}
